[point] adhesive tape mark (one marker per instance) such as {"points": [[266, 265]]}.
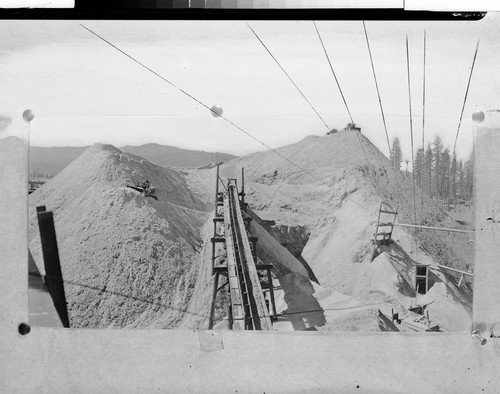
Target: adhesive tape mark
{"points": [[210, 341]]}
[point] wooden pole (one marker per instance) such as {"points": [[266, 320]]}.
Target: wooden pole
{"points": [[271, 293], [216, 189], [451, 230], [423, 128], [486, 307], [213, 251], [230, 315], [53, 275], [452, 269], [214, 297], [243, 188]]}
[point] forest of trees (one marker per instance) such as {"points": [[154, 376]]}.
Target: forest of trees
{"points": [[437, 171], [36, 173]]}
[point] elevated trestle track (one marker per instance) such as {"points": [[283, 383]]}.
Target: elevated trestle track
{"points": [[248, 307]]}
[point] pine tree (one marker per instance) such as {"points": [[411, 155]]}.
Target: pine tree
{"points": [[461, 179], [396, 154], [428, 159], [439, 174], [437, 152], [445, 174], [453, 177], [419, 169], [468, 178]]}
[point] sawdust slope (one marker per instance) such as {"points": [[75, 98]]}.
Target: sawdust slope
{"points": [[127, 260], [335, 191]]}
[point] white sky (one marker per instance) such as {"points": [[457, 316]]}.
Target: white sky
{"points": [[84, 91]]}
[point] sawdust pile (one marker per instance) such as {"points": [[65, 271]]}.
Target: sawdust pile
{"points": [[334, 199], [131, 261], [127, 260]]}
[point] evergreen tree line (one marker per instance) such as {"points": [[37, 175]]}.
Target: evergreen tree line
{"points": [[37, 173], [437, 171]]}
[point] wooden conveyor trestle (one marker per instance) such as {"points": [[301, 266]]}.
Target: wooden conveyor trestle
{"points": [[248, 307]]}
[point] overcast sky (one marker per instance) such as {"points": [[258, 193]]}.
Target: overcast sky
{"points": [[84, 91]]}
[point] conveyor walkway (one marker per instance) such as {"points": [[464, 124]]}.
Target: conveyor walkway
{"points": [[248, 309]]}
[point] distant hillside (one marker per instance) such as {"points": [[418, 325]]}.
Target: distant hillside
{"points": [[170, 156], [54, 159]]}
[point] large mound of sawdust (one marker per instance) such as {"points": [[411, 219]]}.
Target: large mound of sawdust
{"points": [[334, 190], [131, 261], [127, 260]]}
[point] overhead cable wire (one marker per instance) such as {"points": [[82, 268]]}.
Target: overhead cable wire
{"points": [[333, 72], [349, 112], [370, 167], [225, 119], [147, 68], [396, 171], [465, 98], [376, 85], [411, 139], [128, 296], [186, 311], [288, 76], [300, 312], [411, 130], [423, 132]]}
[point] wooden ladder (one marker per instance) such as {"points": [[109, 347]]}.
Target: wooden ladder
{"points": [[381, 236]]}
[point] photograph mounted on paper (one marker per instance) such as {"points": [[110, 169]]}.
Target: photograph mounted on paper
{"points": [[252, 176]]}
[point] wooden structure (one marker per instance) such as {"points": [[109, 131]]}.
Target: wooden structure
{"points": [[245, 279], [421, 278], [383, 237], [385, 227], [53, 275]]}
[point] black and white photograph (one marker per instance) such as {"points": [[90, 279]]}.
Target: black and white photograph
{"points": [[260, 175]]}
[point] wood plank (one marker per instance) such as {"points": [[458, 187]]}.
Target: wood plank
{"points": [[258, 294], [234, 284], [53, 275]]}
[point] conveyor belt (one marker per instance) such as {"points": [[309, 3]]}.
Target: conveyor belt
{"points": [[248, 304]]}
